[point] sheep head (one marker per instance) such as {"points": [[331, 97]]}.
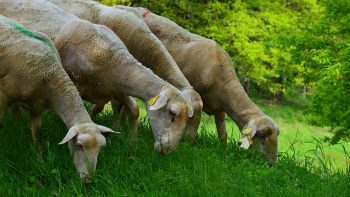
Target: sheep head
{"points": [[263, 134], [168, 113], [196, 104], [84, 143]]}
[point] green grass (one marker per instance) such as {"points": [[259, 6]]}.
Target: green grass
{"points": [[307, 140], [204, 168]]}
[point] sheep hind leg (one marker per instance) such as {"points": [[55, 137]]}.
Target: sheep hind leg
{"points": [[131, 110], [35, 123], [95, 109], [16, 111], [118, 113], [220, 121], [3, 105]]}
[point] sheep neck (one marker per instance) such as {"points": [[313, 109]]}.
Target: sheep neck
{"points": [[236, 102], [67, 103], [133, 79]]}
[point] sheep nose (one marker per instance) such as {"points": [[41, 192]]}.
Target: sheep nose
{"points": [[163, 148], [271, 161], [85, 178]]}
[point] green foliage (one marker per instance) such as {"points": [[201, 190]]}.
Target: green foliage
{"points": [[252, 32], [331, 99], [114, 2], [321, 47]]}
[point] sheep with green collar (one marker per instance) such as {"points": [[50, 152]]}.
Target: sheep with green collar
{"points": [[31, 76]]}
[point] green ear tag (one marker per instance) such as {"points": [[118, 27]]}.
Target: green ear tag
{"points": [[153, 100]]}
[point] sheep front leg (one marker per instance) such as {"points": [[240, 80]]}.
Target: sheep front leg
{"points": [[220, 121], [129, 106], [35, 122]]}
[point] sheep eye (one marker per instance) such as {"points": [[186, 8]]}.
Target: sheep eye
{"points": [[260, 135], [81, 147], [172, 114]]}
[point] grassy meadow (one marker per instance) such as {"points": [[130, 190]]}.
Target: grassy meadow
{"points": [[297, 137], [306, 166]]}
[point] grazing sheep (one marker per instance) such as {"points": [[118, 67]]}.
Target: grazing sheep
{"points": [[102, 68], [31, 75], [143, 45], [211, 73]]}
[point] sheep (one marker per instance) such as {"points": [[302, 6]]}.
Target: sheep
{"points": [[143, 45], [102, 68], [31, 75], [211, 73]]}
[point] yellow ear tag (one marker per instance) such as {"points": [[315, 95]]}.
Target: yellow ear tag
{"points": [[246, 141], [153, 100], [247, 131]]}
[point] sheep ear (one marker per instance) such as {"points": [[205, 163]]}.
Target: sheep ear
{"points": [[73, 131], [106, 129], [158, 101]]}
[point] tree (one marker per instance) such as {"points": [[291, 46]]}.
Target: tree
{"points": [[331, 99]]}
